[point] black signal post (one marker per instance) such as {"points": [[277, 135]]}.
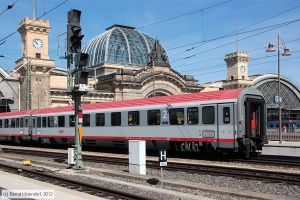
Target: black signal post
{"points": [[77, 77]]}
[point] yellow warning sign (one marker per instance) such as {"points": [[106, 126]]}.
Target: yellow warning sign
{"points": [[80, 134]]}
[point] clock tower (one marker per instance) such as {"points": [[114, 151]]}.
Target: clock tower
{"points": [[237, 70], [34, 65]]}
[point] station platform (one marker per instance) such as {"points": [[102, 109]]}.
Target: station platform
{"points": [[274, 148], [19, 183]]}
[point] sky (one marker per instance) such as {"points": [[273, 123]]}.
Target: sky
{"points": [[196, 22]]}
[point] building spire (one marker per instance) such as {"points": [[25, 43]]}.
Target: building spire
{"points": [[158, 57]]}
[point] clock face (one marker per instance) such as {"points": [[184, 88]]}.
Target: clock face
{"points": [[242, 69], [37, 43]]}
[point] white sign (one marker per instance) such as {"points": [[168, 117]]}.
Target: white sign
{"points": [[71, 156], [162, 158], [28, 194]]}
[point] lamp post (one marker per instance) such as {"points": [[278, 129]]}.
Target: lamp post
{"points": [[286, 52]]}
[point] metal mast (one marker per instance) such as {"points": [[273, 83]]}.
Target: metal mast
{"points": [[77, 78]]}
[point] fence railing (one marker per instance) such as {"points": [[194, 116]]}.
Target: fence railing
{"points": [[294, 136]]}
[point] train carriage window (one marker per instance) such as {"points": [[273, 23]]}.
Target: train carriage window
{"points": [[86, 121], [226, 115], [176, 116], [44, 122], [208, 115], [21, 122], [26, 122], [153, 117], [61, 121], [13, 123], [34, 122], [6, 123], [116, 119], [0, 123], [100, 119], [192, 115], [39, 122], [133, 118], [71, 120], [51, 121], [17, 122]]}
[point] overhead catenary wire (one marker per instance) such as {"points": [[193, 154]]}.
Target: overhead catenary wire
{"points": [[234, 32], [224, 65], [47, 12], [251, 50], [221, 65], [184, 14], [252, 65], [9, 6], [217, 58], [232, 42]]}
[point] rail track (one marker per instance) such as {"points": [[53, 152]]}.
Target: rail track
{"points": [[246, 173], [273, 160], [71, 183]]}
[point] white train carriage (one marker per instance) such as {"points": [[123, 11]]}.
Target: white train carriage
{"points": [[227, 120]]}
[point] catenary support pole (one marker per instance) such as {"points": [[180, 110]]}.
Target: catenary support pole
{"points": [[279, 97]]}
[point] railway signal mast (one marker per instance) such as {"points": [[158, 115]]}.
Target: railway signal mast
{"points": [[77, 78]]}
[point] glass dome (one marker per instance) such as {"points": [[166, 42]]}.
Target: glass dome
{"points": [[121, 45]]}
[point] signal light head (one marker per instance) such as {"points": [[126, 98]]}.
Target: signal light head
{"points": [[74, 17], [74, 38], [82, 59]]}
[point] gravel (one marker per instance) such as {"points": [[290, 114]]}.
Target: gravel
{"points": [[289, 191]]}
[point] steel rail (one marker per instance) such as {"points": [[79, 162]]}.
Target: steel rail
{"points": [[70, 183], [246, 173]]}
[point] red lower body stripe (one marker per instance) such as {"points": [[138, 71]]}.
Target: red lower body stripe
{"points": [[227, 140]]}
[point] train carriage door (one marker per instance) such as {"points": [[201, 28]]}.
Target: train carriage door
{"points": [[26, 125], [209, 122], [34, 128], [255, 121], [226, 128], [38, 126]]}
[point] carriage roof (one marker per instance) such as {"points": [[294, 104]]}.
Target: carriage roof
{"points": [[181, 98]]}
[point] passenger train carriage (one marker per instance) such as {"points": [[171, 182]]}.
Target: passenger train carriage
{"points": [[226, 120]]}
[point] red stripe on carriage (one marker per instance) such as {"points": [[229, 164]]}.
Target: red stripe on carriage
{"points": [[227, 140]]}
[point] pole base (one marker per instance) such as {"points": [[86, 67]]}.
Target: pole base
{"points": [[78, 166]]}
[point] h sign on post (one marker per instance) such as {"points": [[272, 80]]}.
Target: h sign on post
{"points": [[162, 158]]}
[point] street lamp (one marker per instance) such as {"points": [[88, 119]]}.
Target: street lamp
{"points": [[286, 52]]}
